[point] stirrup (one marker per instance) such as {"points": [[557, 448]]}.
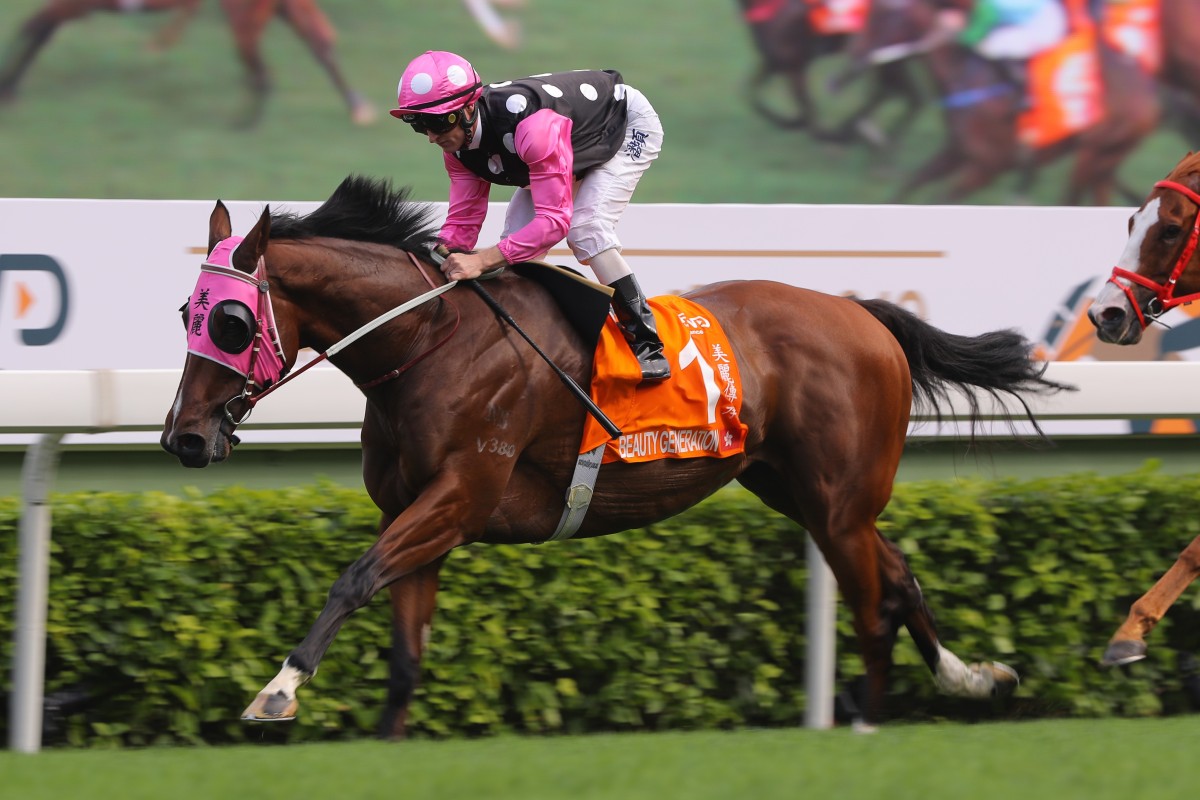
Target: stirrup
{"points": [[655, 367]]}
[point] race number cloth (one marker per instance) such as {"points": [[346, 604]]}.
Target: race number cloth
{"points": [[1134, 27], [1066, 90], [830, 17], [695, 413]]}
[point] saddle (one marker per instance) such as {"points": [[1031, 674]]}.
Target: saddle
{"points": [[584, 302]]}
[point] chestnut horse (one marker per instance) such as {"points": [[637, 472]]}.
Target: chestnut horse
{"points": [[827, 385], [981, 110], [247, 21], [789, 44], [1157, 271]]}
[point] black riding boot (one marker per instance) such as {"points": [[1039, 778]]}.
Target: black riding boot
{"points": [[637, 323]]}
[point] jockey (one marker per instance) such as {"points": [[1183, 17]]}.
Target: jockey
{"points": [[1008, 32], [573, 143]]}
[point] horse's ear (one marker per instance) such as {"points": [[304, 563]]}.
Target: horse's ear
{"points": [[219, 227], [254, 246]]}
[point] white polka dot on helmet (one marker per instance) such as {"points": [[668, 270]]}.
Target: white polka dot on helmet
{"points": [[436, 82]]}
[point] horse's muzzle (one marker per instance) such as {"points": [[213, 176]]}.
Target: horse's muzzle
{"points": [[1114, 324], [194, 451]]}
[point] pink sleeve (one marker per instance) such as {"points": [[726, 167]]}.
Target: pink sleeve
{"points": [[543, 142], [468, 205]]}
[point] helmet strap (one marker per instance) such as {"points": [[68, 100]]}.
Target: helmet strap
{"points": [[467, 121]]}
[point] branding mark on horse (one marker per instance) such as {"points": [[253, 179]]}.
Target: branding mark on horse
{"points": [[493, 445], [497, 416]]}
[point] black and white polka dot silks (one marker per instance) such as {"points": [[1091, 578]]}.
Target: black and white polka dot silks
{"points": [[594, 101]]}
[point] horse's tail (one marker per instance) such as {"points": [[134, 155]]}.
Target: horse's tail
{"points": [[997, 363]]}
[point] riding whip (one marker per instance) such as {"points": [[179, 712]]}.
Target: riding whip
{"points": [[438, 256]]}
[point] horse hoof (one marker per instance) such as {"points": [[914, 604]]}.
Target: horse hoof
{"points": [[871, 133], [1006, 680], [276, 707], [1123, 651], [861, 726], [364, 114], [508, 37]]}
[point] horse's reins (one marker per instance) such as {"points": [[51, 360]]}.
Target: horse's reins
{"points": [[342, 344], [1164, 293]]}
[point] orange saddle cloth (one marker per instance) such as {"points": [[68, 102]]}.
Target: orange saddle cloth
{"points": [[695, 413], [831, 17], [1066, 88], [1134, 27]]}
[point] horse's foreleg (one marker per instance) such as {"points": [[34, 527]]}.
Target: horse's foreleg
{"points": [[413, 600], [423, 534], [758, 86], [247, 21], [505, 33], [900, 78], [315, 29], [170, 34], [888, 82], [33, 35], [1128, 643]]}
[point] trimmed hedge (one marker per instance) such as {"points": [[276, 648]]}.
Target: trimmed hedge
{"points": [[167, 614]]}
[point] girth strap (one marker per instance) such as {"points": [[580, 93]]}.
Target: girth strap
{"points": [[579, 494]]}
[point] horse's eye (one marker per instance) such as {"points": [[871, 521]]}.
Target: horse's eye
{"points": [[231, 326], [1170, 232], [183, 313]]}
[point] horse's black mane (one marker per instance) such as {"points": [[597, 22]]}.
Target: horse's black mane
{"points": [[364, 210]]}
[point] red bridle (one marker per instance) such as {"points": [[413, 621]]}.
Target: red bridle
{"points": [[1164, 292]]}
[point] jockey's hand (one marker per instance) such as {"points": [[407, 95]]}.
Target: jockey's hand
{"points": [[467, 266]]}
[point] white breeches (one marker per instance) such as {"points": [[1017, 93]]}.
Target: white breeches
{"points": [[604, 192]]}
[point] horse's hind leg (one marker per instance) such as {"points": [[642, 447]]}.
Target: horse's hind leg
{"points": [[940, 165], [878, 587], [315, 29], [845, 533], [414, 598], [950, 674], [1128, 643]]}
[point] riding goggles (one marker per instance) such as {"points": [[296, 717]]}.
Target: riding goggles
{"points": [[436, 124]]}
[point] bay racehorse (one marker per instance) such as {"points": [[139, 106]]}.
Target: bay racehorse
{"points": [[1157, 271], [827, 386], [247, 19], [981, 110]]}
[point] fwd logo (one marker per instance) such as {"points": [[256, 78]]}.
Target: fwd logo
{"points": [[24, 296]]}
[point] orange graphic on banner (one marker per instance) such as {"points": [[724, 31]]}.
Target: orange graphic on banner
{"points": [[1134, 27], [837, 16], [1066, 89], [24, 300], [695, 413]]}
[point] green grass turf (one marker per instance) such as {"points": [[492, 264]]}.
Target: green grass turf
{"points": [[1022, 761], [101, 116]]}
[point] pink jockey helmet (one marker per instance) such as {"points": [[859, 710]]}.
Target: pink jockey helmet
{"points": [[436, 82]]}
